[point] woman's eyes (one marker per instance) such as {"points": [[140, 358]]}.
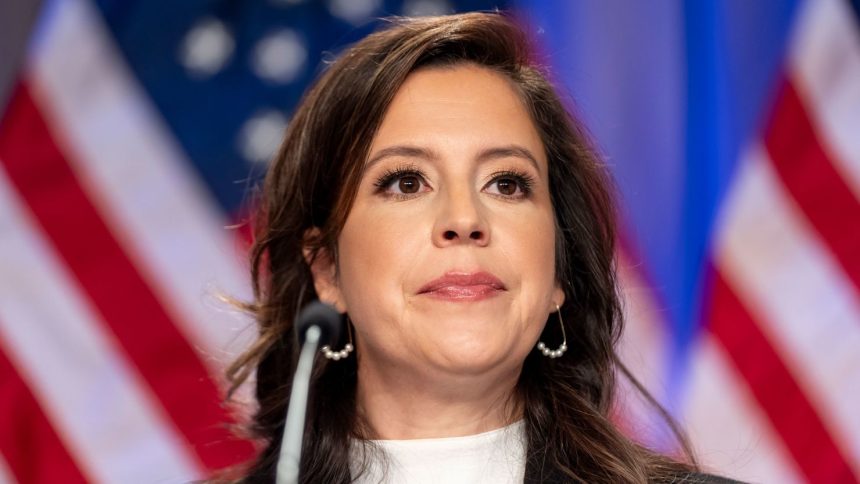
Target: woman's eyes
{"points": [[409, 184], [400, 183], [512, 184], [403, 183]]}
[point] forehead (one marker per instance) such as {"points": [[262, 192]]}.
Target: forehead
{"points": [[459, 107]]}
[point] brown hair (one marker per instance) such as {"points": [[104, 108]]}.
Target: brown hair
{"points": [[312, 182]]}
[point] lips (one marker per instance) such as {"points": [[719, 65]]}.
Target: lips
{"points": [[462, 286]]}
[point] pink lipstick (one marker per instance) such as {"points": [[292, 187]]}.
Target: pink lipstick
{"points": [[461, 286]]}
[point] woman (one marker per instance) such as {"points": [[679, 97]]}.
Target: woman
{"points": [[432, 187]]}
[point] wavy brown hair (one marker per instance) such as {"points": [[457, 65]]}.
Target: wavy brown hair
{"points": [[312, 182]]}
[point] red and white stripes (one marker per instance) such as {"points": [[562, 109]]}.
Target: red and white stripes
{"points": [[6, 473], [59, 344], [140, 178], [111, 341], [728, 429], [786, 300], [775, 385], [824, 67], [109, 246]]}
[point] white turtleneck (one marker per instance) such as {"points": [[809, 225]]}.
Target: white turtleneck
{"points": [[497, 457]]}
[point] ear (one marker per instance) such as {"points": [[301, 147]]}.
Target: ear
{"points": [[324, 272], [557, 298]]}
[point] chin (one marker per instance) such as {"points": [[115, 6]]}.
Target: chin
{"points": [[470, 358]]}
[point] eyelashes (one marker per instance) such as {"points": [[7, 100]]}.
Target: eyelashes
{"points": [[387, 179], [524, 182], [406, 181]]}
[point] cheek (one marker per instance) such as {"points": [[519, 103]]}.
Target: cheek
{"points": [[377, 251], [529, 242], [530, 249]]}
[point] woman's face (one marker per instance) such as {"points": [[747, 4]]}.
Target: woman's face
{"points": [[446, 259]]}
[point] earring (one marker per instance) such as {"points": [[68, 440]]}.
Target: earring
{"points": [[347, 349], [561, 349]]}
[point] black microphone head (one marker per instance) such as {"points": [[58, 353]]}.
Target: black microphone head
{"points": [[323, 316]]}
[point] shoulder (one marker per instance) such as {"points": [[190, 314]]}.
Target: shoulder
{"points": [[554, 477]]}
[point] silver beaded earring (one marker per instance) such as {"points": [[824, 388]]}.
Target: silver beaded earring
{"points": [[561, 349], [347, 348]]}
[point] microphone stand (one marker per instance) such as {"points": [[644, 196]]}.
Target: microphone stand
{"points": [[291, 444], [318, 323]]}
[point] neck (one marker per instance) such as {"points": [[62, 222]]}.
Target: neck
{"points": [[396, 405]]}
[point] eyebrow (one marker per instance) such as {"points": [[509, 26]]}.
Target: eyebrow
{"points": [[410, 151], [509, 151], [406, 151]]}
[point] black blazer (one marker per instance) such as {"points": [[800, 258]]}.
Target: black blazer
{"points": [[553, 477]]}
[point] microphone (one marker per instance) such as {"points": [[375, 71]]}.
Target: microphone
{"points": [[322, 315], [318, 324]]}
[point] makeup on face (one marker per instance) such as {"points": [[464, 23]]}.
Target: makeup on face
{"points": [[463, 286], [446, 261]]}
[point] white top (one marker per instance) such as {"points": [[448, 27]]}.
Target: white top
{"points": [[496, 457]]}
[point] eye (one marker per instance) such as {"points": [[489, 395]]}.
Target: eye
{"points": [[401, 182], [511, 184], [408, 184], [507, 186]]}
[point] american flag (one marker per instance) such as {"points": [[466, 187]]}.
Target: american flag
{"points": [[131, 131]]}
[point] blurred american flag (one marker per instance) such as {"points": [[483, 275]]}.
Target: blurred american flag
{"points": [[133, 129]]}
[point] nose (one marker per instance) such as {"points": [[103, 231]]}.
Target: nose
{"points": [[461, 221]]}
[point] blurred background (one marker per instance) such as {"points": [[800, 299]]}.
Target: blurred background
{"points": [[131, 132]]}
